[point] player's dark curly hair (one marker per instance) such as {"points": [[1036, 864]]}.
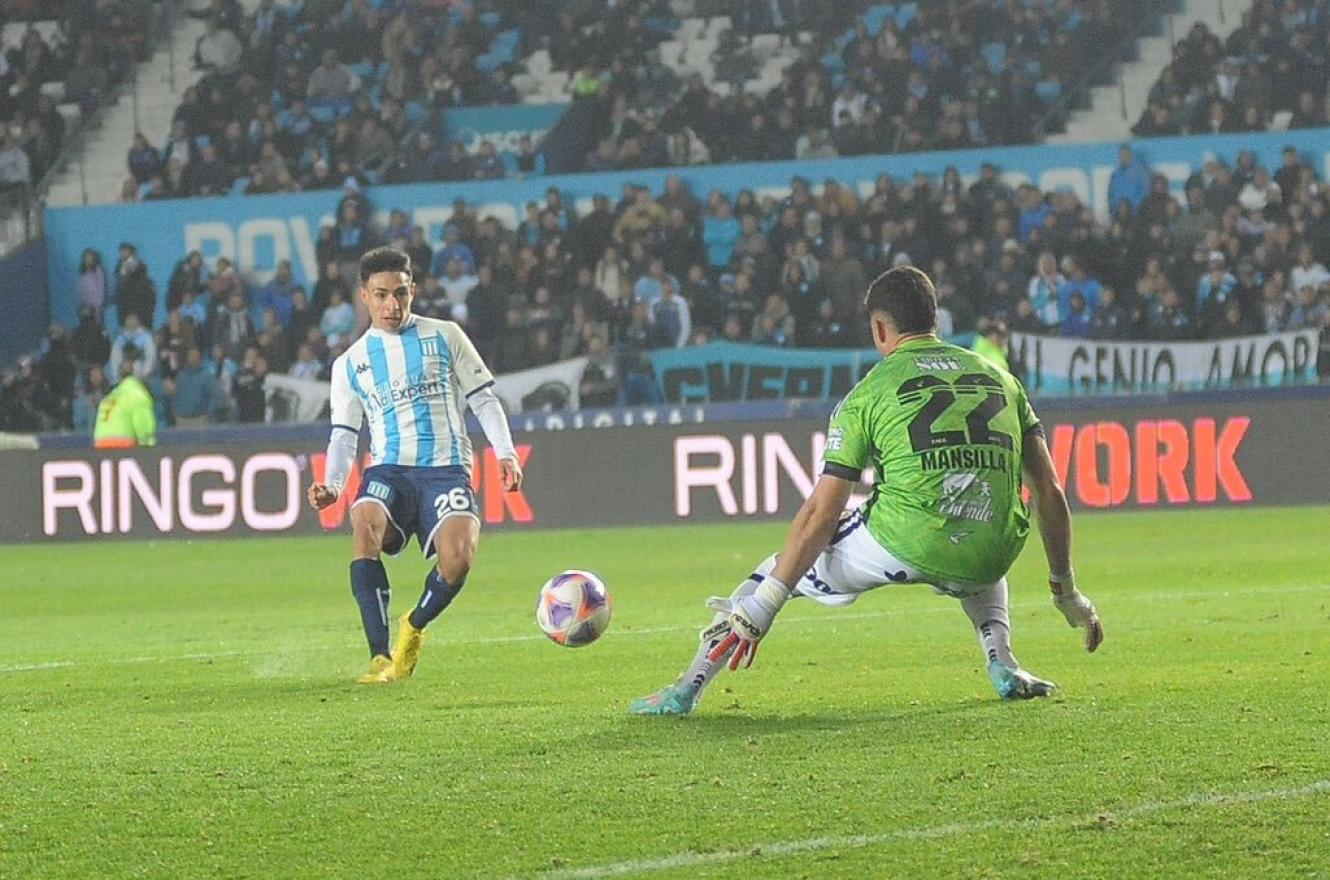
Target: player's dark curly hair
{"points": [[906, 296], [384, 259]]}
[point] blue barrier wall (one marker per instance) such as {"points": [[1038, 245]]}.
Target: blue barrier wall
{"points": [[24, 301], [257, 231], [504, 126]]}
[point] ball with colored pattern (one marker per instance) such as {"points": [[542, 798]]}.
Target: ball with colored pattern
{"points": [[573, 608]]}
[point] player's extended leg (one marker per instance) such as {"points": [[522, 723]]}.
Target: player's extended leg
{"points": [[681, 697], [369, 583], [455, 549], [987, 610]]}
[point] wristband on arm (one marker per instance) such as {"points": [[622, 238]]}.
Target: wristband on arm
{"points": [[1062, 583]]}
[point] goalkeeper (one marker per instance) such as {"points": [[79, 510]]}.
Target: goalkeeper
{"points": [[949, 435]]}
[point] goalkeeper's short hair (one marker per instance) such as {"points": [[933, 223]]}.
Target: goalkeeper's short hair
{"points": [[906, 296]]}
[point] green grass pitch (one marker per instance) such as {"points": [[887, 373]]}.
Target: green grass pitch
{"points": [[186, 710]]}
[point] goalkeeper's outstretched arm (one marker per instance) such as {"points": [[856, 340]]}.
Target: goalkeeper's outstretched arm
{"points": [[812, 528], [1054, 517], [749, 618]]}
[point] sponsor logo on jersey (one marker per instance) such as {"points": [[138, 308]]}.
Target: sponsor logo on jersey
{"points": [[389, 395], [835, 438], [937, 363], [965, 496]]}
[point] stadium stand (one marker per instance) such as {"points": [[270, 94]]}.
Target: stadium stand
{"points": [[1270, 74], [293, 96], [60, 61], [1245, 252]]}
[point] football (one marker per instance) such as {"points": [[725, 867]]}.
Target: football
{"points": [[573, 608]]}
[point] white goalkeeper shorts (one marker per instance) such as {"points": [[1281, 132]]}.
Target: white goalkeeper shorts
{"points": [[854, 563]]}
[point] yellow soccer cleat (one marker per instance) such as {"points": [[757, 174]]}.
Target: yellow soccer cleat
{"points": [[378, 664], [407, 650]]}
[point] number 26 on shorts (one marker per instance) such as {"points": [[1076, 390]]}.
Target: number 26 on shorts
{"points": [[456, 500]]}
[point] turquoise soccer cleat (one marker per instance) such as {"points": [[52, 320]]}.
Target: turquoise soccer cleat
{"points": [[1017, 684], [669, 700]]}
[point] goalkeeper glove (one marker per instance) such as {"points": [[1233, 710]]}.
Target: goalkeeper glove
{"points": [[747, 620], [1077, 608]]}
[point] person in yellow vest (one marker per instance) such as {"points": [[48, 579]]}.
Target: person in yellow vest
{"points": [[126, 416], [991, 342]]}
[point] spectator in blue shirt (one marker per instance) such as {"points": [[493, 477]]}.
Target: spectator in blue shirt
{"points": [[529, 230], [1218, 282], [1130, 181], [453, 249], [1310, 312], [296, 121], [190, 393], [194, 306], [276, 294], [1078, 282], [1076, 324], [144, 162], [1034, 210], [399, 227], [487, 163], [528, 162], [720, 233], [650, 286]]}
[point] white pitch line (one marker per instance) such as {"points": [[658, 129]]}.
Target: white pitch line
{"points": [[958, 829], [34, 667], [941, 608]]}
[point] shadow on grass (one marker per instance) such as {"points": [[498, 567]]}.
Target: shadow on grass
{"points": [[722, 725]]}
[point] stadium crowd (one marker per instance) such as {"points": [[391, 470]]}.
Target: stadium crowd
{"points": [[1245, 251], [1270, 73], [300, 97], [95, 44], [925, 81]]}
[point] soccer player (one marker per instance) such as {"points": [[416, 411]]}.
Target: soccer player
{"points": [[407, 376], [949, 435]]}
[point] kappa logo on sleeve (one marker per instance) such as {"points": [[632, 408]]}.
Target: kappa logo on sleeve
{"points": [[362, 368]]}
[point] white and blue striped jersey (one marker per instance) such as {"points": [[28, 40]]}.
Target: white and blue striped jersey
{"points": [[410, 387]]}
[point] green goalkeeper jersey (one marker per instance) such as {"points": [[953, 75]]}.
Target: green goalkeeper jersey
{"points": [[944, 429]]}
